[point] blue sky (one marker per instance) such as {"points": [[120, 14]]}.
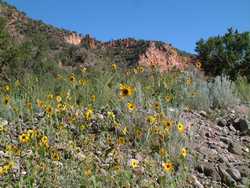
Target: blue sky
{"points": [[179, 22]]}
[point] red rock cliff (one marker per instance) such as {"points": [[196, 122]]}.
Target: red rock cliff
{"points": [[166, 57]]}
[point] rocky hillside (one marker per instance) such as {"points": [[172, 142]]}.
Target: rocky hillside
{"points": [[67, 45], [92, 114], [222, 149]]}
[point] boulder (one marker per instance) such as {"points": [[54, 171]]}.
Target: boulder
{"points": [[234, 173], [241, 125], [235, 148], [222, 123], [244, 171], [226, 177]]}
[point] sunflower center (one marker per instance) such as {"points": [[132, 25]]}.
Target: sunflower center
{"points": [[125, 91]]}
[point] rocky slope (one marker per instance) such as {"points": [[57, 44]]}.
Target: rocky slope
{"points": [[222, 150]]}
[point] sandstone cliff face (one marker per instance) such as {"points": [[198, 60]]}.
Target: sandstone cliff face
{"points": [[77, 39], [165, 57], [74, 39], [90, 42]]}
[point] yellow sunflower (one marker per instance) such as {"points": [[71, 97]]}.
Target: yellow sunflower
{"points": [[126, 90], [167, 123], [50, 97], [82, 82], [32, 133], [55, 156], [49, 110], [7, 88], [168, 166], [121, 141], [45, 141], [114, 66], [6, 100], [111, 115], [131, 106], [184, 152], [141, 69], [151, 119], [72, 78], [133, 163], [9, 166], [58, 98], [24, 138], [181, 127], [88, 114], [157, 106], [168, 98]]}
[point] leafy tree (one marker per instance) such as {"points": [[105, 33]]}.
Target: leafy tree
{"points": [[228, 54]]}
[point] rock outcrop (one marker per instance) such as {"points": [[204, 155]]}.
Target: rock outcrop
{"points": [[165, 57], [74, 39], [126, 52]]}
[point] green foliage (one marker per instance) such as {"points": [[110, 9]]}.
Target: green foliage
{"points": [[29, 56], [243, 88], [228, 54]]}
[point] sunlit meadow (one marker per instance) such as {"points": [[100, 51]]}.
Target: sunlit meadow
{"points": [[102, 128]]}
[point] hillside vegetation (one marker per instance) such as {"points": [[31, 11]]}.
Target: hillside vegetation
{"points": [[90, 115]]}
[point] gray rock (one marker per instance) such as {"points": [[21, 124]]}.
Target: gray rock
{"points": [[234, 173], [222, 123], [208, 170], [226, 140], [244, 171], [241, 125], [231, 128], [224, 160], [212, 155], [225, 131], [2, 154], [203, 113], [245, 139], [232, 115], [197, 184], [245, 149], [225, 177], [235, 148], [203, 150]]}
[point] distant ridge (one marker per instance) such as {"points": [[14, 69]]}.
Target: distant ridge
{"points": [[72, 49]]}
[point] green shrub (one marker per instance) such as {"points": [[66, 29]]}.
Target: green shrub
{"points": [[228, 54]]}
